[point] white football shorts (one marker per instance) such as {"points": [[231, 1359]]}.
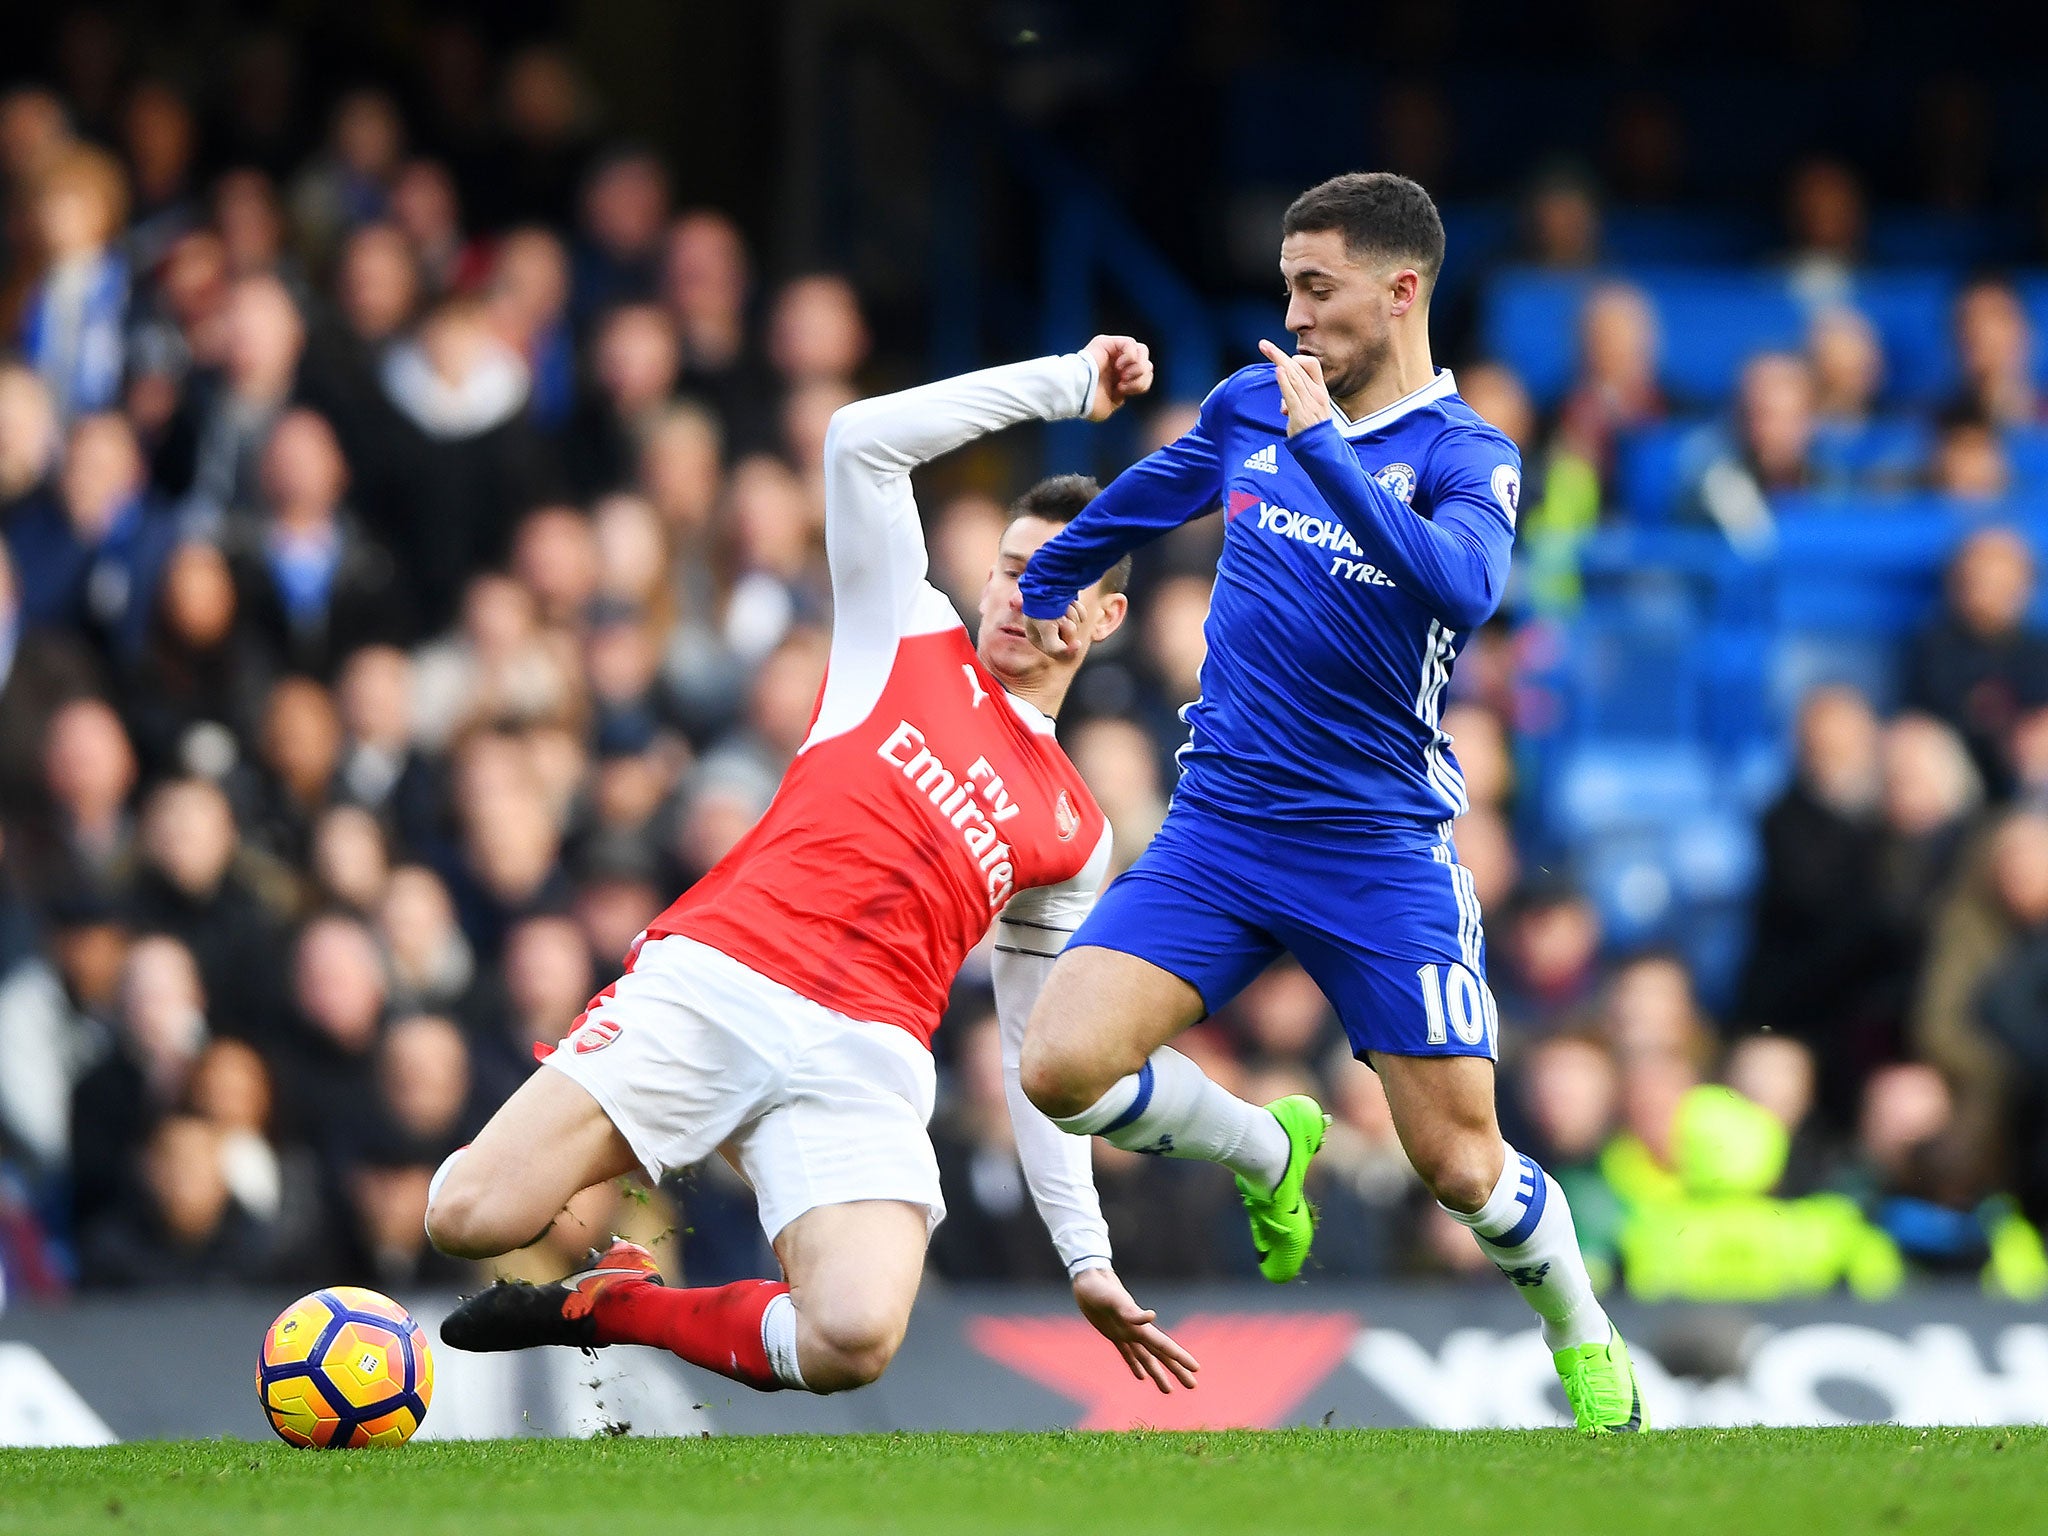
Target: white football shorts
{"points": [[690, 1053]]}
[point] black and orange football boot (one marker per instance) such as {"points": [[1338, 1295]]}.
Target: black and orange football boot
{"points": [[518, 1314]]}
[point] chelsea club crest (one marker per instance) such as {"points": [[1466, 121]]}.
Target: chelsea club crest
{"points": [[1400, 479]]}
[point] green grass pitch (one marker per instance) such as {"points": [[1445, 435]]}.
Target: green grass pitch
{"points": [[1288, 1483]]}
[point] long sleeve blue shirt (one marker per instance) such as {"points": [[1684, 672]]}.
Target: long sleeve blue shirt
{"points": [[1357, 558]]}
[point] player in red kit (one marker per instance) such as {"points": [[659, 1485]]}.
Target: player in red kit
{"points": [[781, 1012]]}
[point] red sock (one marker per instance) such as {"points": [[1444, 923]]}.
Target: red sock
{"points": [[718, 1328]]}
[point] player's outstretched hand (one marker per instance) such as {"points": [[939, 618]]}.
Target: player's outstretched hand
{"points": [[1123, 368], [1056, 637], [1302, 391], [1146, 1348]]}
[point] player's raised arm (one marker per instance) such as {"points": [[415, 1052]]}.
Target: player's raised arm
{"points": [[874, 541], [1166, 488], [1456, 560], [1029, 936]]}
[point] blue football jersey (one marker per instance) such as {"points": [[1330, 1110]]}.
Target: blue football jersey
{"points": [[1357, 558]]}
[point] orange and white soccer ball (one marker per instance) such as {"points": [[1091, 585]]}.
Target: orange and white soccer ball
{"points": [[345, 1367]]}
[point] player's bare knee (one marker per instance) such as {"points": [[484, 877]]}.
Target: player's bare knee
{"points": [[451, 1224], [1063, 1082], [1461, 1171], [461, 1222], [1046, 1080], [850, 1350]]}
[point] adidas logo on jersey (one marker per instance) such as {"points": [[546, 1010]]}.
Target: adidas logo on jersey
{"points": [[1267, 459]]}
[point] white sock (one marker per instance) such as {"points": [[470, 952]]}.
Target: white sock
{"points": [[778, 1338], [441, 1177], [1526, 1228], [1169, 1107]]}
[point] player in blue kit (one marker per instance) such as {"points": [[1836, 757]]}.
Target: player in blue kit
{"points": [[1370, 516]]}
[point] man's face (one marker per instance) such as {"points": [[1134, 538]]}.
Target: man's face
{"points": [[1341, 311], [1993, 583], [1005, 648]]}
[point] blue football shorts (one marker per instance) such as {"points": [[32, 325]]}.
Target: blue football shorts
{"points": [[1392, 937]]}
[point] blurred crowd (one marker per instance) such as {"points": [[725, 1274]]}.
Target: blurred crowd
{"points": [[1828, 418], [413, 577], [1866, 1099]]}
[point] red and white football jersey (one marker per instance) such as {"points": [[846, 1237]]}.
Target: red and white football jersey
{"points": [[927, 799]]}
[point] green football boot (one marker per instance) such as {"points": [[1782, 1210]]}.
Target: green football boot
{"points": [[1283, 1222], [1600, 1384]]}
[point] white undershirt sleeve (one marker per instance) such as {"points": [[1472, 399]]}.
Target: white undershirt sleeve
{"points": [[1033, 929], [874, 540]]}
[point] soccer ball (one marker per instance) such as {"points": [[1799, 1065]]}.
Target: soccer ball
{"points": [[345, 1367]]}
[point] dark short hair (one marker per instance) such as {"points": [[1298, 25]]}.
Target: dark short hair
{"points": [[1059, 499], [1378, 213]]}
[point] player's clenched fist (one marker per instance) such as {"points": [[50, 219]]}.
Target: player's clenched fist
{"points": [[1123, 368], [1302, 392], [1056, 637]]}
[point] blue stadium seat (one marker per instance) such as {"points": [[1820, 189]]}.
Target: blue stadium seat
{"points": [[1529, 319], [1653, 463], [1887, 451], [2026, 449], [2033, 292], [1913, 315], [1714, 855], [1626, 881], [1925, 237], [1610, 786], [1677, 237], [1714, 322], [1476, 236], [1803, 660], [1867, 565], [1634, 676], [1715, 942]]}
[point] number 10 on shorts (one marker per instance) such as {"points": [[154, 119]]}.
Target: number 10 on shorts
{"points": [[1455, 1000]]}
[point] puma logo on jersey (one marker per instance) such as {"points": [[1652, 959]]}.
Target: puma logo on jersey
{"points": [[974, 682], [1267, 459], [960, 801]]}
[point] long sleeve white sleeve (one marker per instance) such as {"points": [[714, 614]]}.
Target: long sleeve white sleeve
{"points": [[1030, 934], [874, 540]]}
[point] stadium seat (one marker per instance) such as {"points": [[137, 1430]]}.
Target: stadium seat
{"points": [[1926, 237], [1714, 855], [1633, 675], [1805, 660], [1714, 322], [1678, 237], [2033, 292], [1628, 885], [1652, 465], [1715, 942], [1529, 319], [2026, 449], [1611, 786], [1912, 312], [1887, 452]]}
